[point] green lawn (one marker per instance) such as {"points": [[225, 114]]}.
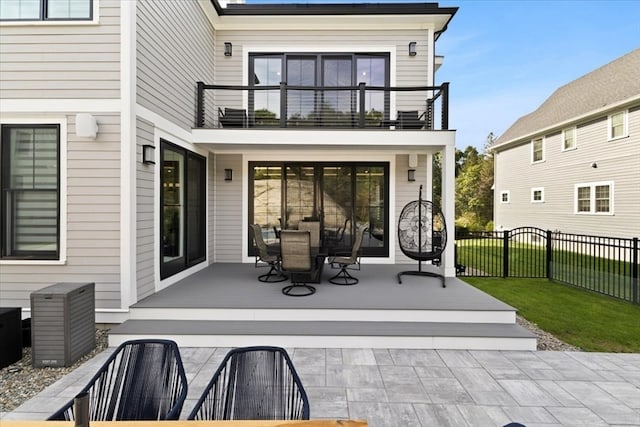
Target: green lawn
{"points": [[587, 320]]}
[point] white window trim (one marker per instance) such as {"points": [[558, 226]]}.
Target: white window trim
{"points": [[508, 193], [62, 122], [592, 198], [575, 136], [533, 190], [625, 124], [542, 140]]}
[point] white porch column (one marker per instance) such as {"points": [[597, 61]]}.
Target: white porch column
{"points": [[448, 206]]}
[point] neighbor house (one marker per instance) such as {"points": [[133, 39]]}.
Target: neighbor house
{"points": [[141, 138], [573, 165]]}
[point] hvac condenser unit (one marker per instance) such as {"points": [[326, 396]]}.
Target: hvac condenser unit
{"points": [[62, 323]]}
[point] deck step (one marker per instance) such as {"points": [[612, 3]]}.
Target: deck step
{"points": [[329, 334]]}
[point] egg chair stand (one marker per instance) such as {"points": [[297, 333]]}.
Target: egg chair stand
{"points": [[422, 235]]}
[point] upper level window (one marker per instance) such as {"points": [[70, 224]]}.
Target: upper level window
{"points": [[30, 202], [537, 195], [618, 126], [568, 139], [307, 107], [594, 198], [504, 196], [537, 150], [45, 10]]}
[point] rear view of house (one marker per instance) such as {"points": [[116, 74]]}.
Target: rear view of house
{"points": [[141, 138], [573, 165]]}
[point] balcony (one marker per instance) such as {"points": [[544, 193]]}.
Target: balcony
{"points": [[415, 108]]}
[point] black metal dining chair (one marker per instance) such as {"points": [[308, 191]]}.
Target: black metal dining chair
{"points": [[253, 383], [141, 380]]}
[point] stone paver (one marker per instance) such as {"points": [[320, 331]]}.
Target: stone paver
{"points": [[391, 387]]}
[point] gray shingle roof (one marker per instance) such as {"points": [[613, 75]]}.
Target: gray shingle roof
{"points": [[610, 84]]}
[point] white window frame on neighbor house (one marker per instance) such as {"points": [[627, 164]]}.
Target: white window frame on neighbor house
{"points": [[593, 186], [611, 126], [569, 135], [503, 199], [537, 190], [533, 150]]}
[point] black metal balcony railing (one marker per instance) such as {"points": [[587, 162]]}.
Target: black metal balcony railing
{"points": [[284, 106]]}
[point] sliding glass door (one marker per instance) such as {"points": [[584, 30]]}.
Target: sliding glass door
{"points": [[339, 196], [182, 219]]}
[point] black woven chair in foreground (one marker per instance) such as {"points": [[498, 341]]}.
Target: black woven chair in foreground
{"points": [[422, 235], [253, 383], [141, 380]]}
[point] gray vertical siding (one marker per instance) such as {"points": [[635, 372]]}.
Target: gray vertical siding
{"points": [[145, 207], [174, 50], [62, 61], [93, 222], [406, 192], [618, 161], [228, 210]]}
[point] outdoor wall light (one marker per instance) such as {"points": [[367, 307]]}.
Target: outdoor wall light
{"points": [[148, 154], [86, 126], [411, 175], [228, 49], [412, 48], [228, 174], [594, 165]]}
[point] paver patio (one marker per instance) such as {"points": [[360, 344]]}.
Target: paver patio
{"points": [[392, 387]]}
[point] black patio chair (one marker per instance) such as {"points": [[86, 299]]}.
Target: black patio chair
{"points": [[253, 383], [350, 261], [141, 380], [232, 117], [410, 120], [263, 257], [295, 255], [422, 235]]}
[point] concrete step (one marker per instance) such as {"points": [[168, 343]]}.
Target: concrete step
{"points": [[329, 334]]}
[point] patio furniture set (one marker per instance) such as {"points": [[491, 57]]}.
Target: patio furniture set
{"points": [[146, 380], [299, 257]]}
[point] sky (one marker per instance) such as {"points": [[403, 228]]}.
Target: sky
{"points": [[503, 58]]}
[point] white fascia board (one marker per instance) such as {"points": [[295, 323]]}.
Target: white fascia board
{"points": [[331, 22], [396, 141]]}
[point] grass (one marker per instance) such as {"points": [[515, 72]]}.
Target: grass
{"points": [[584, 319]]}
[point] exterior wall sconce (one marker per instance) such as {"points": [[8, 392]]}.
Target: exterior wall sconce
{"points": [[412, 48], [411, 175], [148, 154], [228, 174], [228, 49], [594, 165]]}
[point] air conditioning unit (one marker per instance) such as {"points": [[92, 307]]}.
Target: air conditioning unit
{"points": [[62, 323]]}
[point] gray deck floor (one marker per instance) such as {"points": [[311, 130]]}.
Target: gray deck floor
{"points": [[404, 388], [236, 286]]}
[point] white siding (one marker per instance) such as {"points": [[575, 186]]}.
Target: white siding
{"points": [[144, 214], [62, 61], [227, 232], [174, 50], [93, 222], [617, 161]]}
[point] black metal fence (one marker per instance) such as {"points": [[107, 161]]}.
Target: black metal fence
{"points": [[606, 265]]}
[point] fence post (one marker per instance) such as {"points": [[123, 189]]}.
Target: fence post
{"points": [[549, 256], [200, 106], [634, 271], [505, 253]]}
